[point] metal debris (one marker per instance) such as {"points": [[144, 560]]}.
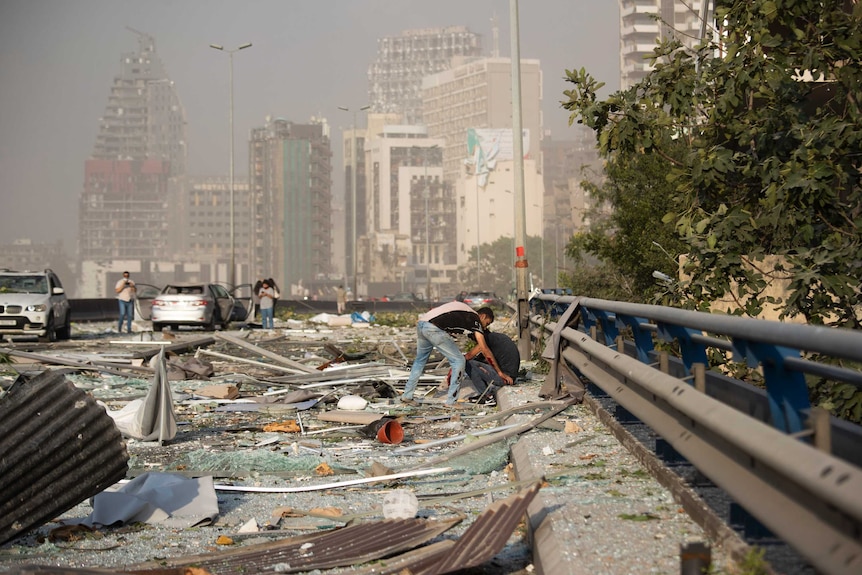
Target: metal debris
{"points": [[350, 545], [57, 448]]}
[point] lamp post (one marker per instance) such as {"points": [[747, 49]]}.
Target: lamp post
{"points": [[427, 233], [231, 191], [478, 239], [355, 158]]}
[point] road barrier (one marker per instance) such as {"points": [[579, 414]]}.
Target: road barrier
{"points": [[796, 469]]}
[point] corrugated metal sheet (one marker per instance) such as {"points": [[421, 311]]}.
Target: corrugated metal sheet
{"points": [[57, 448], [486, 536], [350, 545], [51, 570], [381, 542]]}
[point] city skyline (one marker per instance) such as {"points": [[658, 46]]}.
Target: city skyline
{"points": [[58, 59]]}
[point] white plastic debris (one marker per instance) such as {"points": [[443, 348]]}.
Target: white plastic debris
{"points": [[400, 504], [352, 403]]}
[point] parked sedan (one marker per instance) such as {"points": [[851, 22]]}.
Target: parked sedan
{"points": [[479, 299], [193, 304]]}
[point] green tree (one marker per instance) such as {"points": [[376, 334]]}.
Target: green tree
{"points": [[627, 232], [497, 265], [760, 130]]}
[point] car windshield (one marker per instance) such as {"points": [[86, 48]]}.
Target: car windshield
{"points": [[191, 290], [23, 284]]}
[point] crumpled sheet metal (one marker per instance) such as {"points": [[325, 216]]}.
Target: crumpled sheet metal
{"points": [[485, 537], [51, 570], [58, 447], [351, 545], [392, 544], [151, 418]]}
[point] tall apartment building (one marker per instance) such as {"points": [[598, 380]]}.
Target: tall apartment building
{"points": [[290, 187], [478, 94], [395, 77], [644, 22], [205, 223], [410, 214], [134, 174]]}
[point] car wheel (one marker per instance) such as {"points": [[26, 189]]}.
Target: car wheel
{"points": [[158, 327], [50, 332], [65, 332]]}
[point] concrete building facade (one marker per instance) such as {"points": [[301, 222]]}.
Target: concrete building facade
{"points": [[290, 186], [410, 214], [644, 22], [478, 94], [395, 77], [487, 213]]}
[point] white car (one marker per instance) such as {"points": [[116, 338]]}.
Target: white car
{"points": [[33, 304], [207, 305]]}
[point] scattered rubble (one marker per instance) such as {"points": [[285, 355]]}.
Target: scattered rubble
{"points": [[57, 448], [300, 412]]}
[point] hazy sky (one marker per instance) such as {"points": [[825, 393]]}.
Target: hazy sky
{"points": [[58, 59]]}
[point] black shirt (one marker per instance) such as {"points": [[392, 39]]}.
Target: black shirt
{"points": [[505, 352], [453, 317]]}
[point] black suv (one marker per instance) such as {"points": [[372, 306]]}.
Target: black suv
{"points": [[33, 304]]}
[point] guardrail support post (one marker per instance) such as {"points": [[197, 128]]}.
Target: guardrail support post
{"points": [[695, 558], [820, 422]]}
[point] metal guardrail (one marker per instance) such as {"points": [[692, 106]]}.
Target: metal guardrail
{"points": [[794, 468]]}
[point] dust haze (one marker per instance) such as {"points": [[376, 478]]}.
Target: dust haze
{"points": [[58, 59]]}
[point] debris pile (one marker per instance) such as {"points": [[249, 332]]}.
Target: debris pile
{"points": [[301, 412]]}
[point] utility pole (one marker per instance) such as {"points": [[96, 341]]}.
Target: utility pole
{"points": [[520, 202]]}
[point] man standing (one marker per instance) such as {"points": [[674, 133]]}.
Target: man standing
{"points": [[267, 304], [340, 299], [125, 289], [433, 332]]}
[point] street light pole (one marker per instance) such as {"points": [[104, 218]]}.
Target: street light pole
{"points": [[427, 233], [478, 239], [355, 161], [231, 191]]}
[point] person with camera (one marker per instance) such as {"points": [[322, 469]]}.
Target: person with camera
{"points": [[125, 289], [267, 297]]}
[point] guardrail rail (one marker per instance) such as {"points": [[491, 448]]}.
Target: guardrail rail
{"points": [[795, 468]]}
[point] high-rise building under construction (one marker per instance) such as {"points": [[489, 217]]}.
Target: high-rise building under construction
{"points": [[139, 154]]}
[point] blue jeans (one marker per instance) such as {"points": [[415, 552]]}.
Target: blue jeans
{"points": [[127, 312], [429, 337], [483, 375], [266, 317]]}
